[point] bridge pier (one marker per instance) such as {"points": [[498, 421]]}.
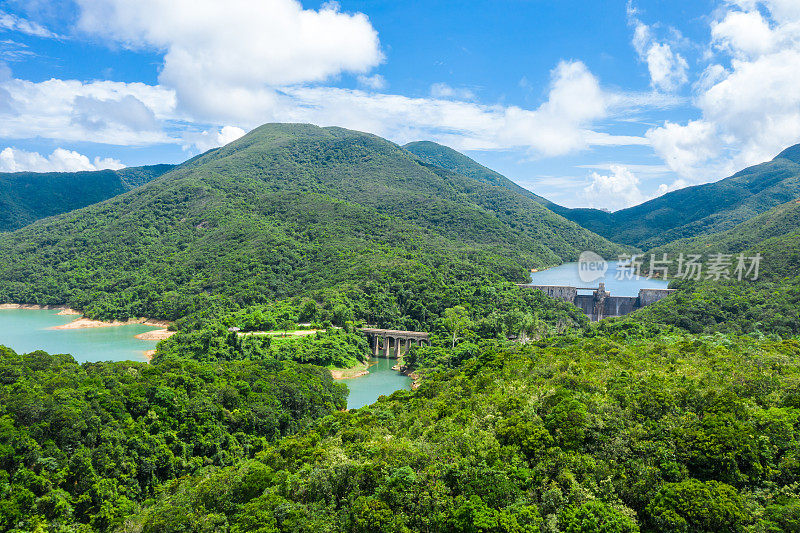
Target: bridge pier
{"points": [[396, 342]]}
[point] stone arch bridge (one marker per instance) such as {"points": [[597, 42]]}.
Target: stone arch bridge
{"points": [[393, 342]]}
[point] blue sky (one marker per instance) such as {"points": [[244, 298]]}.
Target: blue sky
{"points": [[588, 103]]}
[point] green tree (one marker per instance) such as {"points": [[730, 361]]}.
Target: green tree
{"points": [[597, 517], [285, 326], [694, 506], [456, 320]]}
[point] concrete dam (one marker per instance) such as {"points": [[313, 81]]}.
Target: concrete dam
{"points": [[600, 304]]}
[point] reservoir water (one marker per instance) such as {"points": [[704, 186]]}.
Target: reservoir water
{"points": [[25, 330], [381, 380], [618, 283]]}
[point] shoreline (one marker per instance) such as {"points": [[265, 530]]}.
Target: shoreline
{"points": [[84, 323], [361, 369], [155, 335], [417, 379], [62, 309]]}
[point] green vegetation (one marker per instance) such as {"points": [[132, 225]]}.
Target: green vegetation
{"points": [[87, 444], [449, 159], [677, 433], [683, 416], [283, 211], [688, 212], [767, 306], [701, 209], [759, 308], [28, 196], [774, 234], [453, 314], [336, 348]]}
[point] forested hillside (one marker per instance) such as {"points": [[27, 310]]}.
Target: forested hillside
{"points": [[29, 196], [774, 234], [88, 444], [701, 209], [679, 433], [683, 416], [769, 304], [688, 212], [444, 157], [283, 211]]}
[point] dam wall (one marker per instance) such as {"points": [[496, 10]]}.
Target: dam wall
{"points": [[600, 304]]}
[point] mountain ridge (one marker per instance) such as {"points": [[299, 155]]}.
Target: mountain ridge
{"points": [[283, 210], [29, 196], [687, 212]]}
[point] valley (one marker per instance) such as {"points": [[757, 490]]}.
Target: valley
{"points": [[294, 266], [280, 258]]}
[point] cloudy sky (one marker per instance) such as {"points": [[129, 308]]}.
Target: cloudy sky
{"points": [[588, 103]]}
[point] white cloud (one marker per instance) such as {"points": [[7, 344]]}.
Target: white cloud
{"points": [[100, 111], [207, 140], [96, 114], [11, 22], [61, 160], [136, 114], [674, 186], [750, 109], [235, 49], [744, 34], [559, 126], [443, 90], [617, 190], [667, 68], [375, 82], [685, 147], [652, 170], [248, 63]]}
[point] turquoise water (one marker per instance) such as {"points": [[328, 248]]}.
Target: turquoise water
{"points": [[567, 274], [381, 380], [25, 330]]}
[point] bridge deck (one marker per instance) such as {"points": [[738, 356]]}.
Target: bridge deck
{"points": [[395, 333]]}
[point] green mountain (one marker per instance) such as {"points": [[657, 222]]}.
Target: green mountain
{"points": [[445, 157], [286, 209], [688, 212], [774, 234], [29, 196], [702, 209]]}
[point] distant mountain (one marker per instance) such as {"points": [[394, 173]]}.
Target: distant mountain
{"points": [[286, 209], [688, 212], [702, 209], [29, 196], [775, 234]]}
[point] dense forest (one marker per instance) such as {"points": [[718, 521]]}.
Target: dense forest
{"points": [[86, 444], [773, 234], [285, 210], [446, 158], [28, 196], [681, 433], [601, 433]]}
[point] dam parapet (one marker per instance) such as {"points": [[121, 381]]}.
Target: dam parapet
{"points": [[600, 304]]}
